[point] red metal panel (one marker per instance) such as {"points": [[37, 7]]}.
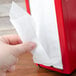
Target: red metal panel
{"points": [[27, 6], [69, 17]]}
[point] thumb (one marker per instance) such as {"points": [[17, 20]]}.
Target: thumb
{"points": [[22, 48]]}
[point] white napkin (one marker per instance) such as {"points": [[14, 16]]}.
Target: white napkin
{"points": [[32, 28]]}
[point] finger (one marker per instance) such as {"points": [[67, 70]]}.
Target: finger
{"points": [[11, 39], [22, 48], [11, 69]]}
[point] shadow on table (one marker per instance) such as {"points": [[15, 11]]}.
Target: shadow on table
{"points": [[53, 73]]}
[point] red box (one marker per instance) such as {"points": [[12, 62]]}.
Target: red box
{"points": [[66, 20]]}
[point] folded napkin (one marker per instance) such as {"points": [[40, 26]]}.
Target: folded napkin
{"points": [[42, 30]]}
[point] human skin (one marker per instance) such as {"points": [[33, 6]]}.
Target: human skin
{"points": [[10, 48]]}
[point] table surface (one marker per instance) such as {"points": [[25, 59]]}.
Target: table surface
{"points": [[26, 67]]}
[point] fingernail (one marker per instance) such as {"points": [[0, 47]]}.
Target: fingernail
{"points": [[32, 45]]}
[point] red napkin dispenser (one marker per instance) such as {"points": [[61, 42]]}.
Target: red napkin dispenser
{"points": [[66, 23]]}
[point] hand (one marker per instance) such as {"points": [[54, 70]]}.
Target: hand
{"points": [[10, 48]]}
